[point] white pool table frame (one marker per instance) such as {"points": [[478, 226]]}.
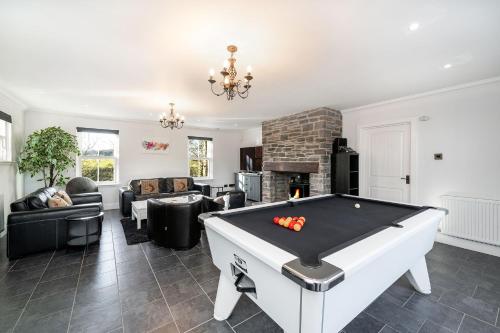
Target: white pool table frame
{"points": [[370, 266]]}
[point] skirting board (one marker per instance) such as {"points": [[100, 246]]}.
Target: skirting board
{"points": [[469, 245]]}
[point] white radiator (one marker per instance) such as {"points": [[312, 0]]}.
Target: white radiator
{"points": [[472, 217]]}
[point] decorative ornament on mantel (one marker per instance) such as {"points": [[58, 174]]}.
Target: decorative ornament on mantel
{"points": [[230, 84], [174, 120]]}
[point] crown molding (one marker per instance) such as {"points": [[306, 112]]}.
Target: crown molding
{"points": [[424, 94]]}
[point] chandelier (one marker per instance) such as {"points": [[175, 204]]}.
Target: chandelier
{"points": [[231, 86], [174, 120]]}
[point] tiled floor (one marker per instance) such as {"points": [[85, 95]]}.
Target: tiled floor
{"points": [[143, 288]]}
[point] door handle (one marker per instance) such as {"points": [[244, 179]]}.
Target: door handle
{"points": [[407, 179]]}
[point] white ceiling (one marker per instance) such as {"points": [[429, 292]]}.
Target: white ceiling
{"points": [[129, 58]]}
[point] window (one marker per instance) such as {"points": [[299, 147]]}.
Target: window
{"points": [[200, 157], [5, 137], [98, 154]]}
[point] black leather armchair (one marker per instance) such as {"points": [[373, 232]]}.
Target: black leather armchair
{"points": [[236, 198], [174, 225], [33, 227]]}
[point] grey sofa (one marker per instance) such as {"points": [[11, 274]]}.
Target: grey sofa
{"points": [[132, 192]]}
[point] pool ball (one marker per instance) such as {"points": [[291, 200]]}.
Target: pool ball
{"points": [[281, 221], [276, 220], [357, 205], [297, 227]]}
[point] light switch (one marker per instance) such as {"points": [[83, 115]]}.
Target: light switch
{"points": [[438, 156]]}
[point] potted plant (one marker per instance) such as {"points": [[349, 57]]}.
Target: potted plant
{"points": [[49, 152]]}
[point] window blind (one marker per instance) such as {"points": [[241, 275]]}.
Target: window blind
{"points": [[97, 130]]}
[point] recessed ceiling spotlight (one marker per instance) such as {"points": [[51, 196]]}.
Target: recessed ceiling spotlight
{"points": [[414, 26], [447, 66]]}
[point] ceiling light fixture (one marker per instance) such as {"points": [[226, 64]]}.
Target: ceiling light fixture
{"points": [[231, 86], [414, 26], [174, 120], [447, 66]]}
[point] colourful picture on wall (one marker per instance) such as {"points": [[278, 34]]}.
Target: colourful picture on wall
{"points": [[155, 146]]}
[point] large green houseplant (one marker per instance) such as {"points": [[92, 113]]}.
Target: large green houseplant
{"points": [[49, 152]]}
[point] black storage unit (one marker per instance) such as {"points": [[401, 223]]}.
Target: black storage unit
{"points": [[344, 168]]}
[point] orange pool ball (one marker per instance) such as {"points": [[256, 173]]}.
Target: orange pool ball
{"points": [[287, 222], [281, 221], [297, 227]]}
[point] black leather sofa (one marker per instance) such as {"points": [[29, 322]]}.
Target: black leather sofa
{"points": [[34, 227], [132, 192]]}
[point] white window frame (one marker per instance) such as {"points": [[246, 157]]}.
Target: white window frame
{"points": [[6, 142], [97, 157], [209, 158]]}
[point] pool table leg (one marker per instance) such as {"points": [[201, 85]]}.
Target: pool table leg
{"points": [[419, 277], [227, 297]]}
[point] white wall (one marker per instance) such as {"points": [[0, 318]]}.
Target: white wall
{"points": [[134, 164], [464, 125], [10, 183], [251, 137]]}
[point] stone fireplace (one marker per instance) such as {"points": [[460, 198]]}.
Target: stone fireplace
{"points": [[298, 144]]}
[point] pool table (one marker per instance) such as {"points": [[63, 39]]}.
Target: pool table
{"points": [[349, 251]]}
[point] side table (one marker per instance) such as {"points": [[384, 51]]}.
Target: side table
{"points": [[83, 228]]}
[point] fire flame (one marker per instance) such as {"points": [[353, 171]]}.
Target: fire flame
{"points": [[297, 194]]}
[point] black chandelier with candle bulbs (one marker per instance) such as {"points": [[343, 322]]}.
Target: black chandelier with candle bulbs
{"points": [[174, 120], [231, 86]]}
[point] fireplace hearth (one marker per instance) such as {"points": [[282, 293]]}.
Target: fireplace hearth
{"points": [[299, 186]]}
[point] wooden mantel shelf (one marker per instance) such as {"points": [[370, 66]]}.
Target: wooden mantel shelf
{"points": [[300, 167]]}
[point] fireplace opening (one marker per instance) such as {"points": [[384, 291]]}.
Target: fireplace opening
{"points": [[299, 185]]}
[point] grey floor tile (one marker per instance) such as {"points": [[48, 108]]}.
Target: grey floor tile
{"points": [[472, 325], [192, 312], [89, 281], [364, 323], [62, 271], [390, 312], [21, 287], [13, 302], [186, 253], [55, 286], [97, 257], [100, 267], [9, 319], [436, 312], [261, 323], [388, 329], [34, 260], [157, 252], [244, 309], [30, 273], [196, 260], [146, 317], [41, 307], [488, 296], [171, 275], [104, 318], [68, 259], [132, 279], [471, 306], [430, 327], [143, 294], [401, 290], [205, 272], [452, 282], [181, 290], [162, 263], [138, 265], [97, 297], [168, 328], [212, 326], [53, 323]]}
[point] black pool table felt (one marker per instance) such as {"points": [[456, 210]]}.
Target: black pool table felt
{"points": [[332, 223]]}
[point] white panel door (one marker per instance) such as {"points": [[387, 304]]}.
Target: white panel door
{"points": [[386, 162]]}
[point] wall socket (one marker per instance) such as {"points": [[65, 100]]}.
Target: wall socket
{"points": [[438, 156]]}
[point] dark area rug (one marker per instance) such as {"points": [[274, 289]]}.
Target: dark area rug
{"points": [[132, 234]]}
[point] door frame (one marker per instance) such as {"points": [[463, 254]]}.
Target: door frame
{"points": [[362, 128]]}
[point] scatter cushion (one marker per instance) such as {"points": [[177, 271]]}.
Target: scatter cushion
{"points": [[149, 186], [65, 197], [180, 185], [219, 200], [57, 201]]}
